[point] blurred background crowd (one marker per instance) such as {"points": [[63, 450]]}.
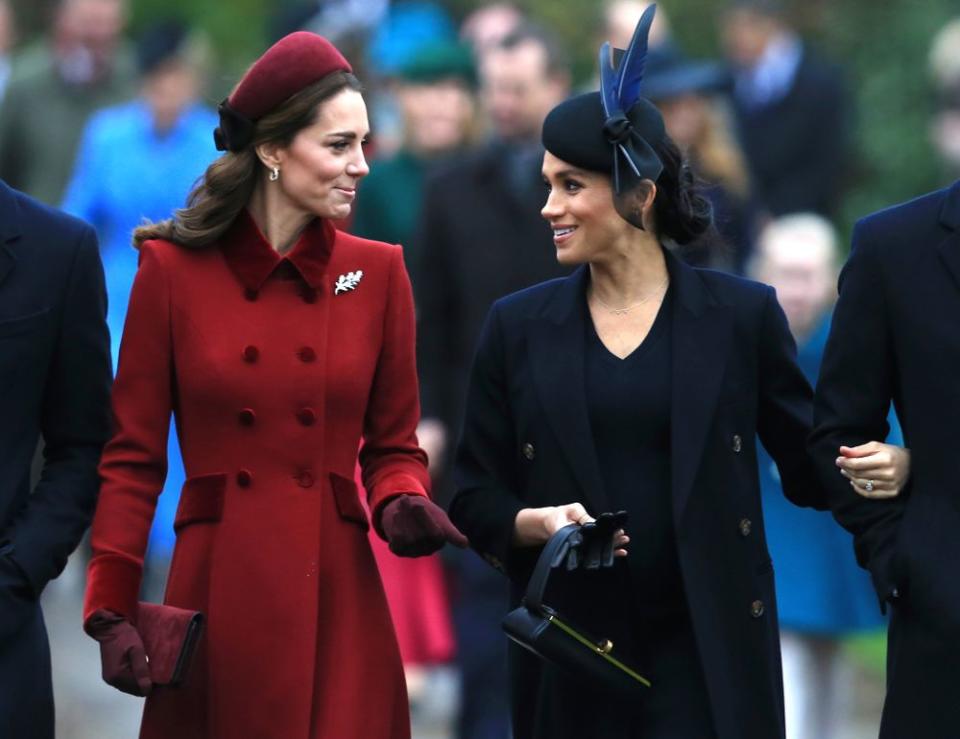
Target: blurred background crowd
{"points": [[799, 116]]}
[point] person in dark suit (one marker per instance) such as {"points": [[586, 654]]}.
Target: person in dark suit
{"points": [[54, 382], [637, 383], [894, 338], [792, 108], [482, 237]]}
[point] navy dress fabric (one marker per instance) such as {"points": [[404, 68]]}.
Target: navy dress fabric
{"points": [[628, 402]]}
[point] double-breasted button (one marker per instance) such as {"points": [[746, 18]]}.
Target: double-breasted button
{"points": [[307, 416], [745, 526], [250, 294], [250, 354], [246, 417], [304, 479], [244, 478], [757, 609], [528, 450], [307, 354], [737, 443], [309, 295]]}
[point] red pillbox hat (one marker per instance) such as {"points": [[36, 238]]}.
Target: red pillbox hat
{"points": [[293, 63]]}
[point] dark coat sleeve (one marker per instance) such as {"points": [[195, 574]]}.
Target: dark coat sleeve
{"points": [[785, 409], [75, 423], [485, 505], [852, 403], [438, 310]]}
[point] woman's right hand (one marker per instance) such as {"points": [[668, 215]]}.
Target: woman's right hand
{"points": [[122, 656], [534, 526]]}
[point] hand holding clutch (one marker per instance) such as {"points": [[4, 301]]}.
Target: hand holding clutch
{"points": [[415, 526], [122, 655]]}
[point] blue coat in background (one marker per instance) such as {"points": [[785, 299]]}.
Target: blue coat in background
{"points": [[126, 173], [820, 587]]}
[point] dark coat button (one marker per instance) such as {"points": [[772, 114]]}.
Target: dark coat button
{"points": [[745, 526], [528, 450], [307, 354], [756, 608], [246, 417], [304, 479], [309, 295], [250, 294], [307, 416], [250, 354], [244, 478], [737, 443]]}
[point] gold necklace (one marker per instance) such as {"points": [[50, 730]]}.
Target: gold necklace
{"points": [[627, 309]]}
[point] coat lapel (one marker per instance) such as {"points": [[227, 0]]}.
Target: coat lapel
{"points": [[701, 344], [9, 229], [949, 248], [557, 349]]}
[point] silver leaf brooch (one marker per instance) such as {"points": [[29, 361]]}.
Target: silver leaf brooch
{"points": [[347, 282]]}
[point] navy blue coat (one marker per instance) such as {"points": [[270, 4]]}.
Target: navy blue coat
{"points": [[54, 382], [896, 336], [527, 443]]}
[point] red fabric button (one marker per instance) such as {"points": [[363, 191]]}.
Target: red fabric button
{"points": [[307, 416], [307, 354], [244, 478], [250, 354], [309, 295], [304, 479], [250, 294], [246, 417]]}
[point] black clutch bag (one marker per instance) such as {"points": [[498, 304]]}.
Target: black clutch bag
{"points": [[539, 628]]}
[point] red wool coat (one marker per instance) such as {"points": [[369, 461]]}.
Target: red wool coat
{"points": [[274, 369]]}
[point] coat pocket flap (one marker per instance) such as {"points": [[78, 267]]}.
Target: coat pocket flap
{"points": [[348, 500], [23, 324], [201, 499]]}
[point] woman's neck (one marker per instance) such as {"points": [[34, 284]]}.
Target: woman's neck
{"points": [[630, 273], [278, 220]]}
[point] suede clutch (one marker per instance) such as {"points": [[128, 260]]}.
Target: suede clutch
{"points": [[540, 629], [170, 637]]}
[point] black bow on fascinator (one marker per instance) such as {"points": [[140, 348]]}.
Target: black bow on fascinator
{"points": [[235, 130], [630, 116]]}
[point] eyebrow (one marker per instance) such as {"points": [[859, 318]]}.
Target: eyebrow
{"points": [[569, 172], [349, 135]]}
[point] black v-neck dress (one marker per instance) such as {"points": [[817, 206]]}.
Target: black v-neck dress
{"points": [[628, 401]]}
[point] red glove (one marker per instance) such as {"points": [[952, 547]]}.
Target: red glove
{"points": [[122, 656], [414, 526]]}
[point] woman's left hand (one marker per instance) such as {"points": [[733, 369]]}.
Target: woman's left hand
{"points": [[875, 469], [415, 526]]}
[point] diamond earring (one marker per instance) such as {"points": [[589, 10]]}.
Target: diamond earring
{"points": [[275, 174]]}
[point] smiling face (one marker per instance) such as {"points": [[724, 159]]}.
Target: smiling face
{"points": [[586, 226], [322, 165]]}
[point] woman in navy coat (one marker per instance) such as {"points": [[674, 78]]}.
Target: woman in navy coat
{"points": [[637, 383]]}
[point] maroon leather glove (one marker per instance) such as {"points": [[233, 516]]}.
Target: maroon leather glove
{"points": [[414, 526], [122, 656]]}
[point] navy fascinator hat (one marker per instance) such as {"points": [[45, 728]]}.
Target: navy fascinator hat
{"points": [[615, 130]]}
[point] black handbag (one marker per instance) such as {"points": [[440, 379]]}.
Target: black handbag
{"points": [[539, 628]]}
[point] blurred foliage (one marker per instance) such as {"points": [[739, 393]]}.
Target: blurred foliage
{"points": [[882, 48]]}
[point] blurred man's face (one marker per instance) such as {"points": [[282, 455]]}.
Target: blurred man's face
{"points": [[746, 35], [93, 24], [804, 276], [437, 115], [517, 90]]}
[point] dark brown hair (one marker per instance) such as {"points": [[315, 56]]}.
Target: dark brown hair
{"points": [[227, 185]]}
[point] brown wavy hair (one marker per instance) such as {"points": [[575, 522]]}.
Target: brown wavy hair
{"points": [[227, 185]]}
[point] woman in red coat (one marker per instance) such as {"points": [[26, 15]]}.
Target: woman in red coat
{"points": [[277, 343]]}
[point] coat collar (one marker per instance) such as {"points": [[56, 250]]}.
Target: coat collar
{"points": [[253, 260], [950, 210], [949, 246], [9, 228]]}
